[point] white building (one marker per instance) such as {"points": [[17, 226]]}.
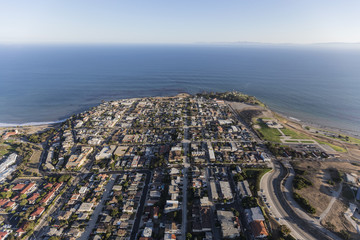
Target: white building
{"points": [[10, 160]]}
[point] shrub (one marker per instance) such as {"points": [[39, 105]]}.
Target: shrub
{"points": [[304, 203]]}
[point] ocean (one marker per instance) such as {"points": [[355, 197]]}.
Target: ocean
{"points": [[314, 83]]}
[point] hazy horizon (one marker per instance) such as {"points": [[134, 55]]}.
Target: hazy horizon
{"points": [[166, 22]]}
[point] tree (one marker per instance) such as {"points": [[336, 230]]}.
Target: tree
{"points": [[188, 236], [23, 202], [54, 238], [23, 196], [284, 230]]}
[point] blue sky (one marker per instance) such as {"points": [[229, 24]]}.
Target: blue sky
{"points": [[179, 21]]}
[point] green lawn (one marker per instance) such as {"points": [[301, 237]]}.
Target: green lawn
{"points": [[269, 134], [342, 138], [4, 149], [293, 134], [354, 140], [7, 147], [336, 148]]}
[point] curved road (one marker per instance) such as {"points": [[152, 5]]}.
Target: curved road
{"points": [[301, 227], [270, 184]]}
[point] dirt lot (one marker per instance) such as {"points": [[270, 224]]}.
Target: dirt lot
{"points": [[320, 193], [32, 166], [248, 112], [336, 222]]}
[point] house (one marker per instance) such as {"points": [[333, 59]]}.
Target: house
{"points": [[9, 134], [29, 188], [54, 232], [244, 188], [258, 229], [33, 198], [226, 190], [37, 213], [171, 206], [10, 205], [85, 207], [351, 178], [358, 194], [172, 228], [169, 236], [254, 214], [227, 224], [205, 219], [105, 153], [147, 232], [18, 187], [48, 197], [156, 212], [3, 235], [3, 202], [58, 186], [48, 185], [19, 232]]}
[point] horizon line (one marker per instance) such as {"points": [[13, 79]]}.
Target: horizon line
{"points": [[179, 43]]}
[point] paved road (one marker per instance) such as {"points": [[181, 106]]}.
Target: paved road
{"points": [[185, 184], [139, 213], [251, 131], [267, 183], [93, 219], [315, 223], [38, 229]]}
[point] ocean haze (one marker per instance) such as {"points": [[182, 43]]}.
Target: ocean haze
{"points": [[51, 82]]}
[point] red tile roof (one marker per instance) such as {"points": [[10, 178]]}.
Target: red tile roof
{"points": [[3, 235], [33, 197], [258, 228], [3, 202], [57, 186], [48, 185], [27, 188], [48, 197], [18, 187], [38, 212], [9, 204]]}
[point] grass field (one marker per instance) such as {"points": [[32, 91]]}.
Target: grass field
{"points": [[293, 134], [273, 135], [269, 134], [343, 137], [5, 148], [335, 147], [354, 140]]}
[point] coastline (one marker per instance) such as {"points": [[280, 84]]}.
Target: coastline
{"points": [[319, 126], [30, 124], [284, 115]]}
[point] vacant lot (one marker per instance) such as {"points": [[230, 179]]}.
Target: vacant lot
{"points": [[318, 194], [33, 164], [336, 222], [325, 178]]}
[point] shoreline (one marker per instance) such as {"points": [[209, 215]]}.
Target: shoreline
{"points": [[290, 118], [30, 124], [314, 125]]}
